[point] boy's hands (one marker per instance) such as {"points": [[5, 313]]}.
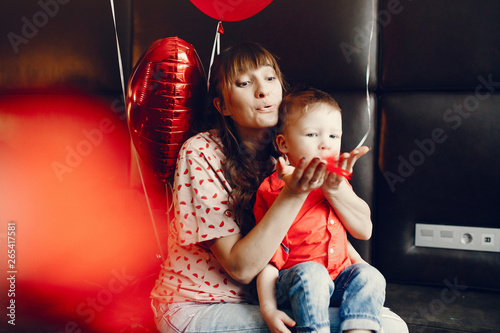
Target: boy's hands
{"points": [[346, 162], [303, 178], [306, 177], [277, 320]]}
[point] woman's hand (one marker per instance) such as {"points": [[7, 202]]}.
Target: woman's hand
{"points": [[346, 162], [244, 257], [304, 177], [277, 320]]}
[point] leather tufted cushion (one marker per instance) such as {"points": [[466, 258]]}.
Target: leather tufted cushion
{"points": [[443, 44], [437, 166]]}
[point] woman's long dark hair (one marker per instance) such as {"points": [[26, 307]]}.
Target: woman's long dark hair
{"points": [[244, 167]]}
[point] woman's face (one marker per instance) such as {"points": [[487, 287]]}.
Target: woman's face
{"points": [[252, 100]]}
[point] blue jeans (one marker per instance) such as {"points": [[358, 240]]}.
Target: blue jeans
{"points": [[192, 317], [358, 291]]}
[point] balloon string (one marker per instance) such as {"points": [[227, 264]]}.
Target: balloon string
{"points": [[122, 77], [368, 102], [170, 203], [219, 31], [120, 63], [149, 204]]}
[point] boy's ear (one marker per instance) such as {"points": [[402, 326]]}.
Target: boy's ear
{"points": [[220, 107], [281, 144]]}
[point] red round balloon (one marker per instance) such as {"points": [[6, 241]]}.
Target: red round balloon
{"points": [[165, 91], [231, 10]]}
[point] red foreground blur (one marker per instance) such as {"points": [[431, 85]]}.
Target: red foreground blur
{"points": [[85, 249]]}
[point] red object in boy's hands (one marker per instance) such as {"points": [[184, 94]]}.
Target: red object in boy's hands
{"points": [[332, 167]]}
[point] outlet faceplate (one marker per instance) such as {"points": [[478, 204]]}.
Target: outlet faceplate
{"points": [[457, 237]]}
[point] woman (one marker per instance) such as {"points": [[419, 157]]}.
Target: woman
{"points": [[214, 248]]}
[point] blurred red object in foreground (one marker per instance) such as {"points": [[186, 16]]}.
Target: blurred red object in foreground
{"points": [[84, 245]]}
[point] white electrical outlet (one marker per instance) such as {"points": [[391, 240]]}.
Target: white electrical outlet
{"points": [[457, 237]]}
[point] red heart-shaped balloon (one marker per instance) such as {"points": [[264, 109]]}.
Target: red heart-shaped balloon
{"points": [[231, 10], [165, 90]]}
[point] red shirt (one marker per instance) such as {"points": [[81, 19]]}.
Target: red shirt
{"points": [[315, 235]]}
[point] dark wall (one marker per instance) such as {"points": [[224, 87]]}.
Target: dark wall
{"points": [[62, 45]]}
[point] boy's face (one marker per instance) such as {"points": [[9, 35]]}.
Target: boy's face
{"points": [[315, 134]]}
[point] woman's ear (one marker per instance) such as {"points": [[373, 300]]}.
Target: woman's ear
{"points": [[281, 144], [220, 107], [217, 104]]}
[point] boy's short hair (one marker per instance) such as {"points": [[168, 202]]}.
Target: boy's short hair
{"points": [[295, 104]]}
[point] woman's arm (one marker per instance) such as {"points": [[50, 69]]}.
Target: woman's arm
{"points": [[266, 289], [244, 257]]}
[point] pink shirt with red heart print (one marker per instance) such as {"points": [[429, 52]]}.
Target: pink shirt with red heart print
{"points": [[202, 212]]}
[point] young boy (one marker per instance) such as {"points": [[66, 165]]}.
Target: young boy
{"points": [[316, 267]]}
